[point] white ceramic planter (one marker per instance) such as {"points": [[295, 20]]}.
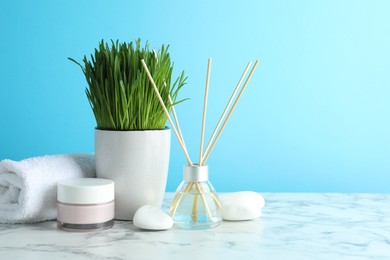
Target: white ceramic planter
{"points": [[137, 161]]}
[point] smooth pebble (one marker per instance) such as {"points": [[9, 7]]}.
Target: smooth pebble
{"points": [[243, 205], [152, 218]]}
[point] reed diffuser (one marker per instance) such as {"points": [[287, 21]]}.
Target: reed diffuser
{"points": [[195, 204]]}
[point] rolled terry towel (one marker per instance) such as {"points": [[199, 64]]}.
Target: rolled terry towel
{"points": [[28, 188]]}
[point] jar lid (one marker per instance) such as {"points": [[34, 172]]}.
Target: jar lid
{"points": [[85, 191], [196, 173]]}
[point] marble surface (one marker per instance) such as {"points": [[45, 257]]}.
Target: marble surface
{"points": [[293, 226]]}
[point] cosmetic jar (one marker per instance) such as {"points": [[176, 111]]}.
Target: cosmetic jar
{"points": [[85, 204]]}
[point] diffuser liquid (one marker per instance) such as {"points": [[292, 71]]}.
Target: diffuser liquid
{"points": [[196, 211]]}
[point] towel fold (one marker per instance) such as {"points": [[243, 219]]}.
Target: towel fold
{"points": [[28, 188]]}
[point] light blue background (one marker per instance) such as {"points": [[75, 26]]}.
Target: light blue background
{"points": [[314, 118]]}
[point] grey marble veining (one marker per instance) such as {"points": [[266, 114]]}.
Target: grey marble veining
{"points": [[293, 226]]}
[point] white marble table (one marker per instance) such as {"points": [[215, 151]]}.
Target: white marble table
{"points": [[293, 226]]}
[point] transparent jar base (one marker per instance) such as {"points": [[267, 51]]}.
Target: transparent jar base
{"points": [[196, 206], [184, 222], [85, 227]]}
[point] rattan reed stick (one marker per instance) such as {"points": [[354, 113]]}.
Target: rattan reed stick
{"points": [[206, 94], [175, 117], [176, 120], [166, 112], [177, 199], [206, 206], [216, 200], [195, 208]]}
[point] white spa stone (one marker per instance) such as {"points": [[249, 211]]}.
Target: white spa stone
{"points": [[152, 218], [243, 205]]}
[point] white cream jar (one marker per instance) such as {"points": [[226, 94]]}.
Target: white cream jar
{"points": [[85, 204]]}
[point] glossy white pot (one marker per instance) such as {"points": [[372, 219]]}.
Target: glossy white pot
{"points": [[137, 161]]}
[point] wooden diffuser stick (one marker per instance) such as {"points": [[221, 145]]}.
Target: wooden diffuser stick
{"points": [[175, 117], [176, 120], [166, 112], [206, 94]]}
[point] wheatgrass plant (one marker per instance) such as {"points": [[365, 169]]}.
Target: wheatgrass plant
{"points": [[119, 91]]}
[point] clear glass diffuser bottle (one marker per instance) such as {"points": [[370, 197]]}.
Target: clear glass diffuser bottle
{"points": [[196, 204]]}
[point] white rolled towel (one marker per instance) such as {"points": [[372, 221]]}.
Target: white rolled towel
{"points": [[28, 188]]}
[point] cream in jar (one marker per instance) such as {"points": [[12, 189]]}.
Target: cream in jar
{"points": [[85, 204]]}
